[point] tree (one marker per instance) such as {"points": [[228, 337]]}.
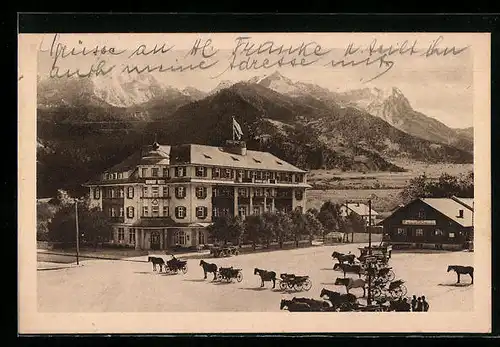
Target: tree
{"points": [[227, 228], [283, 227], [313, 226], [355, 224], [330, 217], [254, 229], [44, 213], [93, 224], [299, 225]]}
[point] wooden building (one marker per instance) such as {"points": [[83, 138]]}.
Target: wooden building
{"points": [[439, 223]]}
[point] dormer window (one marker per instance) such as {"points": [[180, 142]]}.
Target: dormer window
{"points": [[154, 172], [256, 160], [279, 162], [144, 172], [207, 156], [234, 158]]}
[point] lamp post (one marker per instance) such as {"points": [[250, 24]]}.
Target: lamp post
{"points": [[369, 299], [77, 233]]}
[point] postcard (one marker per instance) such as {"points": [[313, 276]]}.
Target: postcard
{"points": [[254, 183]]}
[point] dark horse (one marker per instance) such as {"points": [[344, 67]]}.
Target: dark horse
{"points": [[462, 270], [208, 267], [294, 306], [156, 261], [265, 276], [341, 257], [347, 268], [338, 299], [315, 305]]}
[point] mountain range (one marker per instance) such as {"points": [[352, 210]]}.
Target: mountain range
{"points": [[85, 125]]}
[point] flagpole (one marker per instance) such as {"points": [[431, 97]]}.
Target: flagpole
{"points": [[232, 127]]}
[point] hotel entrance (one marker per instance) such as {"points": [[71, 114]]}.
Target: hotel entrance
{"points": [[155, 240]]}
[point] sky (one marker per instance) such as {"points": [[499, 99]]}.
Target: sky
{"points": [[438, 86]]}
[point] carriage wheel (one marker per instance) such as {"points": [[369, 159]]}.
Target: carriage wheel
{"points": [[283, 285], [307, 285], [404, 290], [239, 277], [376, 292], [297, 286], [236, 252], [219, 276], [185, 269], [397, 292]]}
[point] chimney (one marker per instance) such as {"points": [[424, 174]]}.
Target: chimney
{"points": [[460, 213], [236, 147]]}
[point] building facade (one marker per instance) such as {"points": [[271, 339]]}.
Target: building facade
{"points": [[439, 223], [362, 210], [165, 196]]}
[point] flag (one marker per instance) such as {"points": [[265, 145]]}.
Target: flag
{"points": [[237, 132]]}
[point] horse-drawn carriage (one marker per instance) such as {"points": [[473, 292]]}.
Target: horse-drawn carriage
{"points": [[228, 273], [395, 289], [225, 251], [173, 265], [381, 253], [298, 283]]}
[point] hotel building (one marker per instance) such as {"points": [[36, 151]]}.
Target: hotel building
{"points": [[163, 196]]}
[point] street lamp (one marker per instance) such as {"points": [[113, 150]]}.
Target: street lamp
{"points": [[77, 232]]}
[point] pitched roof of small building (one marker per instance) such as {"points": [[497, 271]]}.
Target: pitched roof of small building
{"points": [[361, 209], [450, 208], [467, 202]]}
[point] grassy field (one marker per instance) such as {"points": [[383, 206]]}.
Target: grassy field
{"points": [[382, 187]]}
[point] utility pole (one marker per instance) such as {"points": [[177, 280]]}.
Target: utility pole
{"points": [[369, 300], [77, 232]]}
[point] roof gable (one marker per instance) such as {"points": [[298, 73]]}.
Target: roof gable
{"points": [[450, 208]]}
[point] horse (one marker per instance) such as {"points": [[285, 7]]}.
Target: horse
{"points": [[208, 267], [351, 283], [315, 305], [341, 257], [294, 306], [347, 268], [462, 270], [265, 276], [338, 299], [155, 261]]}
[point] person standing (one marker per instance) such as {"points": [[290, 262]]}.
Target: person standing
{"points": [[420, 307], [425, 304], [414, 303]]}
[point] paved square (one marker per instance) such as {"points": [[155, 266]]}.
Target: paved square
{"points": [[123, 286]]}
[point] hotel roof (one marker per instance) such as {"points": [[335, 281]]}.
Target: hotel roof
{"points": [[203, 155], [450, 208]]}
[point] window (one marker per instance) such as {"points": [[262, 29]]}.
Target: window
{"points": [[120, 175], [401, 232], [438, 232], [201, 212], [130, 192], [243, 192], [155, 211], [180, 192], [267, 175], [258, 192], [145, 211], [201, 237], [201, 171], [154, 172], [419, 232], [121, 234], [145, 192], [279, 162], [115, 176], [299, 178], [227, 173], [144, 172], [131, 236], [201, 192], [180, 171], [299, 194], [97, 193], [113, 212], [180, 212], [180, 237], [421, 214], [234, 158], [165, 192], [256, 210], [155, 191], [451, 235], [256, 160], [121, 212], [242, 211], [166, 212], [130, 212], [207, 156], [166, 172], [121, 192], [215, 172]]}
